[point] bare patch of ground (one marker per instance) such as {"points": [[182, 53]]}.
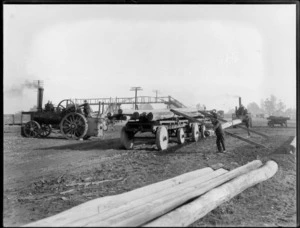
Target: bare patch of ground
{"points": [[43, 177]]}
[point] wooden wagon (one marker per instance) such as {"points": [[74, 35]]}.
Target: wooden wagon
{"points": [[277, 120], [163, 127]]}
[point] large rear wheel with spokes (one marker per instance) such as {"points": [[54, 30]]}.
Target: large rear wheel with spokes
{"points": [[74, 126]]}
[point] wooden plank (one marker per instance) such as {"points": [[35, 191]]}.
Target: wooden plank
{"points": [[223, 120], [245, 140], [198, 208], [93, 207]]}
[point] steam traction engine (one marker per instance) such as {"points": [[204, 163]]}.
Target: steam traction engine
{"points": [[242, 114], [66, 117]]}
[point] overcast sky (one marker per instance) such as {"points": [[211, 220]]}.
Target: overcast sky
{"points": [[207, 54]]}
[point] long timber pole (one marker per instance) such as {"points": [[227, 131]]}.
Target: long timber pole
{"points": [[247, 129], [246, 140], [232, 135]]}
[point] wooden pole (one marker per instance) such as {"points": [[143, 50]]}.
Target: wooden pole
{"points": [[161, 114], [187, 116], [198, 208], [138, 212], [93, 207], [245, 140], [136, 205], [149, 211], [231, 123], [247, 129]]}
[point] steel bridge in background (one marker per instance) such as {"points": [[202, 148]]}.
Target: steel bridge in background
{"points": [[114, 104]]}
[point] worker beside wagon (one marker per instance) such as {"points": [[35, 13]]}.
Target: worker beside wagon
{"points": [[219, 134]]}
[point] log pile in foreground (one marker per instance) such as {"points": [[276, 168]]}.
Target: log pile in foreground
{"points": [[161, 203]]}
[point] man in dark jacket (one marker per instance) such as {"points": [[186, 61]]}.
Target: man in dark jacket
{"points": [[219, 134], [247, 123], [86, 109]]}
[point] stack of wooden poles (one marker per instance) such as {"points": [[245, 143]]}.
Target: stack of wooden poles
{"points": [[178, 201], [159, 114]]}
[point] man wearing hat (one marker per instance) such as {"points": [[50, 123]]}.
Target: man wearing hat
{"points": [[219, 133]]}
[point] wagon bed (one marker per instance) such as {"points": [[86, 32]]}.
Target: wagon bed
{"points": [[277, 120]]}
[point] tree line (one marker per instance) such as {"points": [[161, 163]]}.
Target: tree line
{"points": [[271, 106]]}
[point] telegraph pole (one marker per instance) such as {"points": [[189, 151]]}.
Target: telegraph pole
{"points": [[135, 101]]}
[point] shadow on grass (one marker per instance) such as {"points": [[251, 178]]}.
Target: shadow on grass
{"points": [[89, 145], [284, 148]]}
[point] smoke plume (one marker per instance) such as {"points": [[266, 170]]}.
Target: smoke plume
{"points": [[17, 90]]}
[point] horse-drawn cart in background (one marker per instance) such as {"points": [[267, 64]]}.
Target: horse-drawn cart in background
{"points": [[280, 120]]}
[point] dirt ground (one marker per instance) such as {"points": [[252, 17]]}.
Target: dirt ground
{"points": [[38, 172]]}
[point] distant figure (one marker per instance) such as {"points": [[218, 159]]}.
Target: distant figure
{"points": [[247, 123], [49, 106], [86, 108], [219, 134]]}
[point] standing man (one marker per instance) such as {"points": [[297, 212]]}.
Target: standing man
{"points": [[219, 134], [247, 123], [86, 108]]}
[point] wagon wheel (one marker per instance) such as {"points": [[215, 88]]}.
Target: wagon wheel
{"points": [[127, 138], [162, 138], [31, 129], [180, 135], [195, 132], [203, 129], [45, 130], [74, 126]]}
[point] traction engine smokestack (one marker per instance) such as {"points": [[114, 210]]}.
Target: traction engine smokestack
{"points": [[240, 101], [40, 99]]}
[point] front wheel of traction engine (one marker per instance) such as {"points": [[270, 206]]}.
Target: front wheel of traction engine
{"points": [[31, 129], [162, 138], [74, 126], [127, 138]]}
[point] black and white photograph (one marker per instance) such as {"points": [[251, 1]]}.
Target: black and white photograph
{"points": [[153, 115]]}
